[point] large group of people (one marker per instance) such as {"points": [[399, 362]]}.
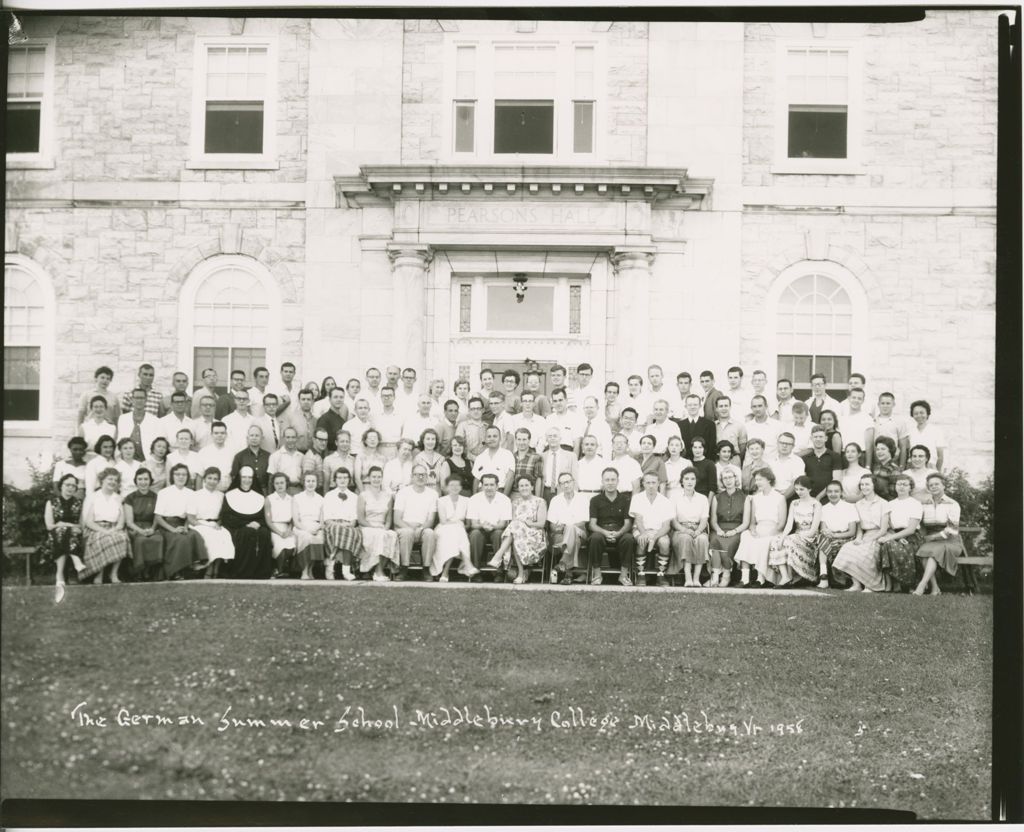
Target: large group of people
{"points": [[701, 487]]}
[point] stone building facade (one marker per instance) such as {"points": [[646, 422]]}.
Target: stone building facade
{"points": [[647, 179]]}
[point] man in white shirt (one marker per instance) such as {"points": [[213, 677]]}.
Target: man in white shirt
{"points": [[568, 424], [656, 388], [759, 387], [302, 419], [629, 429], [415, 513], [285, 389], [801, 429], [763, 427], [176, 419], [887, 423], [556, 461], [260, 388], [858, 426], [218, 455], [652, 515], [288, 461], [595, 425], [202, 425], [270, 423], [784, 405], [728, 429], [414, 425], [372, 391], [488, 513], [785, 465], [239, 422], [503, 421], [628, 468], [139, 425], [352, 392], [568, 516], [660, 427], [406, 399], [735, 388], [392, 373], [209, 388], [179, 384], [388, 423], [637, 399], [820, 400], [589, 467], [586, 386], [529, 420], [857, 380], [677, 400], [359, 424], [494, 460]]}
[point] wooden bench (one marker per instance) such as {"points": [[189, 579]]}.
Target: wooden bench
{"points": [[25, 552], [969, 564]]}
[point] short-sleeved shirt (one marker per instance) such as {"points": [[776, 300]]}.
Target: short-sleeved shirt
{"points": [[173, 501], [767, 431], [731, 431], [931, 437], [870, 512], [289, 464], [901, 512], [220, 458], [494, 511], [653, 513], [819, 469], [416, 506], [895, 427], [690, 509], [501, 463], [629, 471], [786, 471], [662, 433], [588, 476], [610, 514], [838, 516], [562, 512], [946, 512], [204, 504]]}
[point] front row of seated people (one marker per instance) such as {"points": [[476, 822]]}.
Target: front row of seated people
{"points": [[873, 544]]}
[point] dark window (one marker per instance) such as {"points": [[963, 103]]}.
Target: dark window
{"points": [[21, 384], [524, 126], [798, 369], [817, 132], [234, 127], [465, 123], [224, 360], [23, 127]]}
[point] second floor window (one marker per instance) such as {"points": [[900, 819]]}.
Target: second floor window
{"points": [[29, 100], [817, 86]]}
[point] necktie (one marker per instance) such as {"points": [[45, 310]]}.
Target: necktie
{"points": [[137, 439], [273, 427]]}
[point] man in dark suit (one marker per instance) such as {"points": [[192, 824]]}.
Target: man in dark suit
{"points": [[693, 424], [711, 395], [254, 456]]}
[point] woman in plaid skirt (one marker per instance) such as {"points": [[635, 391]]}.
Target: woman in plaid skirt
{"points": [[106, 541]]}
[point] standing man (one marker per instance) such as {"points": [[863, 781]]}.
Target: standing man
{"points": [[415, 423], [286, 389], [858, 426], [656, 389], [660, 427], [392, 373], [736, 389], [287, 460], [857, 380], [313, 459], [388, 422], [590, 467], [302, 419], [270, 423], [102, 377], [372, 391], [596, 426], [759, 383], [357, 426], [209, 388], [239, 421], [786, 465], [179, 384], [612, 408], [530, 421], [587, 385], [260, 388], [471, 430], [494, 459], [568, 424], [887, 423], [335, 417], [820, 400], [218, 455], [694, 424], [139, 425], [487, 514], [677, 403], [496, 415], [406, 400], [636, 399], [763, 427], [203, 423], [226, 404], [414, 517], [710, 395], [154, 400], [177, 419], [727, 428], [820, 464], [446, 427], [252, 455], [528, 463], [610, 526], [556, 461], [568, 516], [784, 408]]}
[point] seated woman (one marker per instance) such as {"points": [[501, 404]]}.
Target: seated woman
{"points": [[726, 455], [767, 519], [127, 465], [919, 472], [525, 537], [244, 517], [859, 558], [884, 468], [398, 471], [898, 546], [793, 550], [106, 541], [942, 542], [374, 518], [307, 515], [690, 529], [156, 463], [204, 511], [103, 460], [675, 464], [63, 518], [707, 472], [140, 520], [839, 521], [851, 475], [730, 517], [430, 458], [183, 548], [451, 540], [278, 514], [341, 534]]}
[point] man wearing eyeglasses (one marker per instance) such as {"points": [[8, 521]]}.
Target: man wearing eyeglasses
{"points": [[786, 465], [414, 518]]}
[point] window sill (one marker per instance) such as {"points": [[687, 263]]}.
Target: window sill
{"points": [[16, 161], [232, 162], [27, 430], [833, 167]]}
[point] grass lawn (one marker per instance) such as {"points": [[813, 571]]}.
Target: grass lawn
{"points": [[891, 695]]}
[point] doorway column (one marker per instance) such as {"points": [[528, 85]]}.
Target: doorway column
{"points": [[631, 305], [409, 264]]}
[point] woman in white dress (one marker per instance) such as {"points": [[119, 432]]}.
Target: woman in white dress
{"points": [[430, 458], [308, 509], [690, 529], [675, 463], [104, 459], [859, 559], [768, 517], [838, 526], [850, 476], [96, 423], [341, 534], [204, 508], [184, 455], [374, 517], [451, 539], [279, 514], [127, 465]]}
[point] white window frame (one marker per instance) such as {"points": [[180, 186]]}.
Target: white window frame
{"points": [[861, 324], [199, 275], [45, 156], [853, 163], [563, 97], [47, 379], [480, 281], [199, 159]]}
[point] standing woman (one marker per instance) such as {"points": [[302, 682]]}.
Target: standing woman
{"points": [[244, 518], [342, 535], [156, 463], [675, 464], [369, 458], [833, 438], [525, 535], [794, 548], [690, 529], [140, 520], [942, 542], [106, 541], [323, 401], [853, 473], [451, 540], [373, 513], [277, 511], [127, 465], [182, 547], [919, 472], [754, 461], [920, 432], [767, 519], [103, 460], [726, 454], [730, 517], [204, 510], [63, 517], [839, 521], [456, 465], [898, 546], [313, 388], [859, 558], [96, 423], [430, 458], [884, 468], [307, 514]]}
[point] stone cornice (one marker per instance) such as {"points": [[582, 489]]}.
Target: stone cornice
{"points": [[379, 184]]}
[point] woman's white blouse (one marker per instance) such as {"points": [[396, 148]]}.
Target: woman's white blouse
{"points": [[901, 512], [280, 507], [307, 508], [337, 509], [837, 517], [173, 501], [105, 509], [946, 512], [205, 505]]}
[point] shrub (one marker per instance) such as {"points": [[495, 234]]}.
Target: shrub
{"points": [[23, 512], [975, 507]]}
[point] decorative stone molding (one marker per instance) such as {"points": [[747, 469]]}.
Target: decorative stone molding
{"points": [[414, 256], [624, 259]]}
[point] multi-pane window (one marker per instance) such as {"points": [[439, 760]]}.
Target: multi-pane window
{"points": [[583, 101], [489, 305], [814, 325], [24, 338], [236, 84], [28, 99], [465, 99], [817, 92], [230, 324], [524, 113]]}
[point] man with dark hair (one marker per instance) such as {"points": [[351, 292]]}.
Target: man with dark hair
{"points": [[610, 526], [302, 419], [335, 418], [209, 388], [139, 424], [677, 400], [695, 424], [226, 404], [270, 423], [177, 419], [531, 384], [820, 399], [784, 406], [260, 388], [709, 395], [154, 400], [179, 384], [488, 513], [285, 389]]}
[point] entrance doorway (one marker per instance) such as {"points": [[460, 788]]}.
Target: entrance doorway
{"points": [[543, 368]]}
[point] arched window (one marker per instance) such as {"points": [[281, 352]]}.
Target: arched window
{"points": [[817, 326], [229, 318], [28, 342]]}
